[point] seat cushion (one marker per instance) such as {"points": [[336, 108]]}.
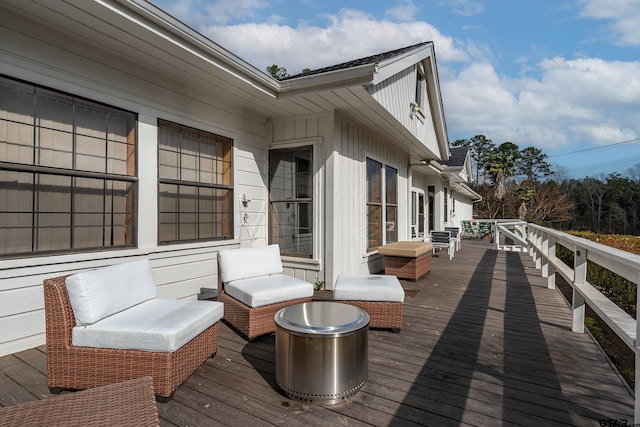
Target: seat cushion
{"points": [[246, 263], [368, 288], [267, 290], [105, 291], [161, 325]]}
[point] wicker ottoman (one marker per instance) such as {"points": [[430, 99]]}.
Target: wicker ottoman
{"points": [[407, 260], [380, 296]]}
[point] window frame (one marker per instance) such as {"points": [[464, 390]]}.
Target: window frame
{"points": [[198, 186], [383, 205], [44, 133], [309, 186]]}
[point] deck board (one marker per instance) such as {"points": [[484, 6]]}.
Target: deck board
{"points": [[484, 343]]}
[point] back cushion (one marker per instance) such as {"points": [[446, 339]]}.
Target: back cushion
{"points": [[99, 293], [238, 264]]}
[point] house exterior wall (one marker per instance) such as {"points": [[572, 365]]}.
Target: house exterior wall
{"points": [[396, 94], [346, 190], [180, 270]]}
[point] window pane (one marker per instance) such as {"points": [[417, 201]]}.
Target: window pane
{"points": [[391, 187], [391, 225], [292, 228], [53, 217], [16, 196], [374, 230], [374, 181]]}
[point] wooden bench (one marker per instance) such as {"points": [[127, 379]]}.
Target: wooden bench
{"points": [[407, 260]]}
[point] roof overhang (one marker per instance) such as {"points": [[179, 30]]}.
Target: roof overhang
{"points": [[135, 34]]}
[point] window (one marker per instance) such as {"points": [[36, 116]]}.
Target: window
{"points": [[67, 172], [445, 215], [382, 204], [417, 214], [431, 194], [291, 200], [421, 87], [194, 183]]}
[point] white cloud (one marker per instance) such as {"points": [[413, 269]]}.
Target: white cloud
{"points": [[406, 11], [624, 17], [585, 100], [463, 7], [348, 35]]}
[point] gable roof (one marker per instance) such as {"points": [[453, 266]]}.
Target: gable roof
{"points": [[368, 60], [457, 158]]}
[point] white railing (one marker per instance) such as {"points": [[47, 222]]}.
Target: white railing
{"points": [[515, 230], [542, 247]]}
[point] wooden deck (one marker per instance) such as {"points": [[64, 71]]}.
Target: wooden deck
{"points": [[485, 343]]}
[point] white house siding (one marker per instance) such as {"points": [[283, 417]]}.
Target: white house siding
{"points": [[180, 270], [464, 209], [346, 215], [396, 94]]}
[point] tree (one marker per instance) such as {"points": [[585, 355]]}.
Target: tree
{"points": [[481, 149], [502, 165], [532, 165], [277, 72]]}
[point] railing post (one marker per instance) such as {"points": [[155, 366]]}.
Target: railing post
{"points": [[551, 255], [545, 255], [636, 350], [496, 237], [579, 276], [541, 252]]}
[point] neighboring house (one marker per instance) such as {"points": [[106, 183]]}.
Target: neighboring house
{"points": [[124, 133]]}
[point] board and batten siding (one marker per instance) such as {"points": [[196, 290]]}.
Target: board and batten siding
{"points": [[396, 94], [180, 270], [346, 211]]}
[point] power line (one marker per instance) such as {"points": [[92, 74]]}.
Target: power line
{"points": [[603, 164], [595, 148]]}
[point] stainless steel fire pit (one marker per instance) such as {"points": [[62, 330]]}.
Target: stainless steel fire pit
{"points": [[321, 351]]}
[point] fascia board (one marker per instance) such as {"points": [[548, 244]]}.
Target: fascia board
{"points": [[173, 31], [354, 76], [393, 66]]}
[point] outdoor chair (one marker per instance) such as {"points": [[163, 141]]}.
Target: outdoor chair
{"points": [[253, 287], [106, 326], [485, 228], [455, 235], [442, 240]]}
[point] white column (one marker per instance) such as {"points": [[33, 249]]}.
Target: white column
{"points": [[579, 276], [147, 181]]}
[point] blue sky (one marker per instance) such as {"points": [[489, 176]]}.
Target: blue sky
{"points": [[559, 75]]}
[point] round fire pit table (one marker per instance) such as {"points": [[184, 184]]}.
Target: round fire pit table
{"points": [[322, 351]]}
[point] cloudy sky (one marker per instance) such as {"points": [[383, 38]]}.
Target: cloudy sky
{"points": [[560, 75]]}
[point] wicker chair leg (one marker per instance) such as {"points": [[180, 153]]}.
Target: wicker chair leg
{"points": [[165, 399], [55, 390]]}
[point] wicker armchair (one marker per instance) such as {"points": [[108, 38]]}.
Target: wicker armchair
{"points": [[71, 367], [249, 266]]}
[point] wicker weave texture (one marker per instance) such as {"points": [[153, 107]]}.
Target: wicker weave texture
{"points": [[407, 268], [256, 321], [72, 367], [383, 314], [128, 403]]}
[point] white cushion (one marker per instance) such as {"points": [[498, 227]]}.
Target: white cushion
{"points": [[266, 290], [99, 293], [239, 264], [161, 325], [368, 288]]}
